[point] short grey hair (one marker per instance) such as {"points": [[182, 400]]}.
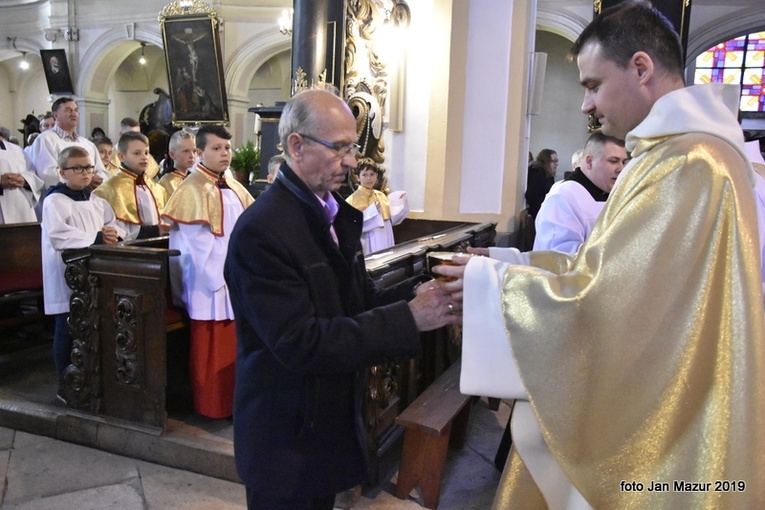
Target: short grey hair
{"points": [[298, 116], [178, 137], [274, 163]]}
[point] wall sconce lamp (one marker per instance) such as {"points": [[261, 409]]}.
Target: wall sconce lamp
{"points": [[142, 60], [285, 21], [24, 65]]}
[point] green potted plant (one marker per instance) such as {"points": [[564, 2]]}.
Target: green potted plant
{"points": [[245, 163]]}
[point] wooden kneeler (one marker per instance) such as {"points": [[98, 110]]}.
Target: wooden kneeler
{"points": [[436, 419]]}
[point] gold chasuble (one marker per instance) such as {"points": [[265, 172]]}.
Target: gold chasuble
{"points": [[119, 191], [643, 354], [363, 197], [198, 199]]}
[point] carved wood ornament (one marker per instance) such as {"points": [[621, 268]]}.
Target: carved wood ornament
{"points": [[367, 78]]}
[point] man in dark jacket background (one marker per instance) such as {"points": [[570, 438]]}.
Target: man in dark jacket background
{"points": [[310, 320]]}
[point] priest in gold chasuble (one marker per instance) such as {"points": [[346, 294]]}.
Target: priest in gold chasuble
{"points": [[638, 363]]}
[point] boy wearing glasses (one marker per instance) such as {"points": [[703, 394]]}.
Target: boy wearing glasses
{"points": [[202, 212], [72, 218], [137, 201]]}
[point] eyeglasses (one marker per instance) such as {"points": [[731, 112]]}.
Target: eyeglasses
{"points": [[89, 169], [342, 149]]}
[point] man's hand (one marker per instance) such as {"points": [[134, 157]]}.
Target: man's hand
{"points": [[12, 180], [110, 235], [95, 181], [432, 308]]}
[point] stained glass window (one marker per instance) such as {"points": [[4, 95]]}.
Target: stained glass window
{"points": [[740, 60]]}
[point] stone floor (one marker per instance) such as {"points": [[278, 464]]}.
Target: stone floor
{"points": [[190, 466]]}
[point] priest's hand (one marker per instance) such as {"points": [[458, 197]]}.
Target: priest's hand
{"points": [[454, 283], [433, 308], [13, 180], [484, 252]]}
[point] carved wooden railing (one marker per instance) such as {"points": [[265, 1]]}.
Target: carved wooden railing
{"points": [[117, 320], [391, 387]]}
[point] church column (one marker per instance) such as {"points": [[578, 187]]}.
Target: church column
{"points": [[318, 42], [241, 121], [94, 112]]}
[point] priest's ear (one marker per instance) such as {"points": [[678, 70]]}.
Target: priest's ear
{"points": [[643, 65]]}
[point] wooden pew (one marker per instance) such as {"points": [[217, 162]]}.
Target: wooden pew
{"points": [[391, 387], [20, 273], [434, 421], [119, 325], [119, 320]]}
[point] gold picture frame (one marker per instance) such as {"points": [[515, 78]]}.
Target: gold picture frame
{"points": [[194, 66]]}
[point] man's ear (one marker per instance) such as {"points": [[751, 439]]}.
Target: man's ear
{"points": [[295, 146], [643, 65], [120, 156]]}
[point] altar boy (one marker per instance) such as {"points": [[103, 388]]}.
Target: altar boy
{"points": [[202, 212], [136, 201], [182, 151], [72, 218]]}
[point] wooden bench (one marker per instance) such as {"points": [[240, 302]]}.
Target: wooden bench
{"points": [[120, 318], [20, 273], [435, 420]]}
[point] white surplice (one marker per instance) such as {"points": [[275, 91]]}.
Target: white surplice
{"points": [[68, 224], [18, 205], [197, 273]]}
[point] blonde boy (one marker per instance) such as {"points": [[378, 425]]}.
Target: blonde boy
{"points": [[136, 201], [182, 150], [72, 218]]}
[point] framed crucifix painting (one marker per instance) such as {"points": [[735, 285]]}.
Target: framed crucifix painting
{"points": [[194, 67]]}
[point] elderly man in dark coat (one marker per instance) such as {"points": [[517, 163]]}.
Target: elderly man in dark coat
{"points": [[309, 318]]}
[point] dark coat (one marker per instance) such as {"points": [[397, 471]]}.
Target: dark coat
{"points": [[538, 184], [309, 320]]}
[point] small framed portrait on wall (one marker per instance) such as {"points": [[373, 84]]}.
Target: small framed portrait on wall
{"points": [[57, 71]]}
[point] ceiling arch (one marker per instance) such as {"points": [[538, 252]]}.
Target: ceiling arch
{"points": [[563, 23], [250, 56], [104, 56], [722, 29]]}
